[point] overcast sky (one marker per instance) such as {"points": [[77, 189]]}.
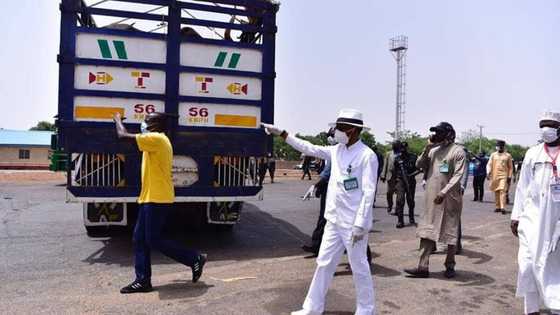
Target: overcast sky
{"points": [[493, 63]]}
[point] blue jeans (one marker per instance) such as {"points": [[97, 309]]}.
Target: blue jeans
{"points": [[147, 236]]}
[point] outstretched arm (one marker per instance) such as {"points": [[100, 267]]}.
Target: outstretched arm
{"points": [[122, 133], [305, 147]]}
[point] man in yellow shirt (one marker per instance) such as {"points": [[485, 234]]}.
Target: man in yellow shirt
{"points": [[155, 201], [500, 171]]}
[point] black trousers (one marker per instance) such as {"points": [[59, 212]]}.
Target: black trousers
{"points": [[390, 192], [478, 185], [306, 171], [271, 170], [317, 235], [404, 196]]}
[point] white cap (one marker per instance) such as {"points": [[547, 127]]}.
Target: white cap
{"points": [[550, 115], [351, 117]]}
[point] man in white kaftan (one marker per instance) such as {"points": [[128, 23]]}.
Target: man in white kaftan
{"points": [[536, 221], [348, 210]]}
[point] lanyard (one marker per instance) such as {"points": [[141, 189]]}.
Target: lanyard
{"points": [[554, 168]]}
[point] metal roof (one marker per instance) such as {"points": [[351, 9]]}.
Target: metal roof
{"points": [[25, 138]]}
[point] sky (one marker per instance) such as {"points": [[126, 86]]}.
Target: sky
{"points": [[476, 62]]}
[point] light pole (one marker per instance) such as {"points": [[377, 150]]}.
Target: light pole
{"points": [[480, 138]]}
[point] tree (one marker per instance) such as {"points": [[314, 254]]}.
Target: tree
{"points": [[415, 141], [44, 125], [472, 141]]}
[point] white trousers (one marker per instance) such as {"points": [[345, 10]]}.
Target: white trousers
{"points": [[335, 240], [533, 303]]}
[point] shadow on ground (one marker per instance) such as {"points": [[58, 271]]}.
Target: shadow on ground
{"points": [[258, 235]]}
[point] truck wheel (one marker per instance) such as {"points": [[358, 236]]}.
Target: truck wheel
{"points": [[97, 231]]}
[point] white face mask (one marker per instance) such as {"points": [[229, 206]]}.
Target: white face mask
{"points": [[144, 127], [549, 134], [341, 137], [331, 141]]}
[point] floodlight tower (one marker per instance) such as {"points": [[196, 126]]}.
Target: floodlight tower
{"points": [[398, 47]]}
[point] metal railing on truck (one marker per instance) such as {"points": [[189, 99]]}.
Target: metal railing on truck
{"points": [[194, 60]]}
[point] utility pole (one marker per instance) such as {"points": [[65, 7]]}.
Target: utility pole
{"points": [[398, 47], [480, 138]]}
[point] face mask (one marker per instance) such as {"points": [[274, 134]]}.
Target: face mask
{"points": [[331, 141], [144, 127], [341, 137], [549, 134]]}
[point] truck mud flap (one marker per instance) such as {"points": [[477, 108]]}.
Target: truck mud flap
{"points": [[227, 212], [105, 214]]}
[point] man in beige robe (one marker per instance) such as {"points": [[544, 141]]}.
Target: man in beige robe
{"points": [[387, 175], [500, 172], [443, 162]]}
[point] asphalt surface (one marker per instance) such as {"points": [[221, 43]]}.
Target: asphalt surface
{"points": [[49, 265]]}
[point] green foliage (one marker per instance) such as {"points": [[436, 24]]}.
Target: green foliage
{"points": [[416, 142], [472, 141], [44, 125]]}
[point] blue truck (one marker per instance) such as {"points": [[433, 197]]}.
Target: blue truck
{"points": [[209, 65]]}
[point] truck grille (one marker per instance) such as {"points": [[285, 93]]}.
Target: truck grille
{"points": [[98, 170], [235, 171]]}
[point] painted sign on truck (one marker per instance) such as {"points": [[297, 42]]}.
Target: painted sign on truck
{"points": [[222, 86], [217, 57], [120, 48], [219, 115], [101, 78], [87, 108]]}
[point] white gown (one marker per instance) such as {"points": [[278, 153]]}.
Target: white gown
{"points": [[539, 229]]}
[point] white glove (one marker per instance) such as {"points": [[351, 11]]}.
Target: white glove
{"points": [[357, 234], [555, 238], [271, 129], [424, 184], [309, 193]]}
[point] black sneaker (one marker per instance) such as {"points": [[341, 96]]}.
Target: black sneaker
{"points": [[198, 267], [417, 273], [137, 287]]}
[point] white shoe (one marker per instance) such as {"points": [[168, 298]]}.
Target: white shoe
{"points": [[304, 312]]}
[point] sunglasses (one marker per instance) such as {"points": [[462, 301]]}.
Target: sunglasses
{"points": [[344, 127]]}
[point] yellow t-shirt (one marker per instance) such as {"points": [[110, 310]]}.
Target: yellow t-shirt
{"points": [[157, 160]]}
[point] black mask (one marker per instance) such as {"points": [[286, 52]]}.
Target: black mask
{"points": [[437, 137]]}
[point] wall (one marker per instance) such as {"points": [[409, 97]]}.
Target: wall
{"points": [[38, 157]]}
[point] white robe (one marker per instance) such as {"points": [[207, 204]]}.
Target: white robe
{"points": [[539, 229]]}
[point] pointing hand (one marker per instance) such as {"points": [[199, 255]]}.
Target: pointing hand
{"points": [[271, 129]]}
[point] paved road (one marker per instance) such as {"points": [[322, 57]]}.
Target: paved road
{"points": [[49, 265]]}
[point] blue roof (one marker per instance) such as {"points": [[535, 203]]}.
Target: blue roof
{"points": [[24, 137]]}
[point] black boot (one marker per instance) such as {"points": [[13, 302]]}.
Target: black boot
{"points": [[400, 224], [411, 217]]}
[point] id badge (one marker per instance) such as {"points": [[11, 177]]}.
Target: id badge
{"points": [[555, 192], [352, 183], [444, 168]]}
